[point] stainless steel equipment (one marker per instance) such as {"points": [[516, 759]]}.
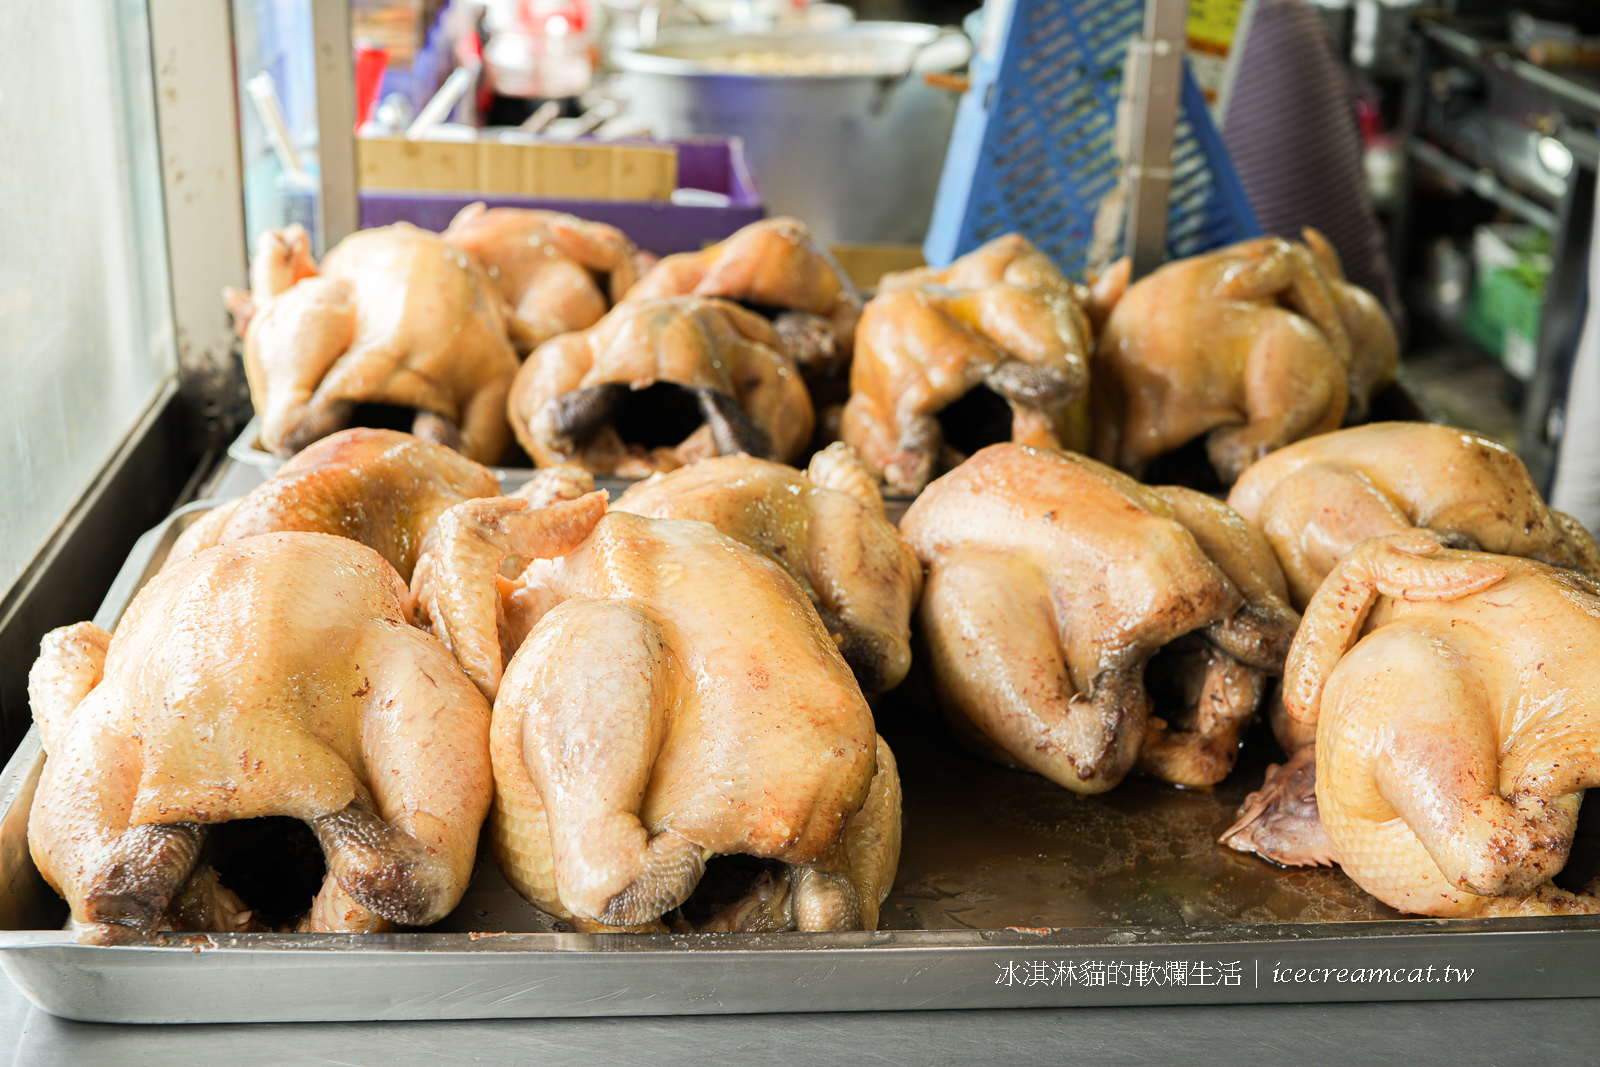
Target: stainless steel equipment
{"points": [[856, 154]]}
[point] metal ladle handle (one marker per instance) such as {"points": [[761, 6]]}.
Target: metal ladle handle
{"points": [[650, 19], [890, 82]]}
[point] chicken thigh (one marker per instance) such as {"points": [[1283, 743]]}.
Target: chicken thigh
{"points": [[657, 384], [940, 372], [395, 316], [273, 676], [777, 267], [1062, 596], [379, 487], [1317, 499], [558, 273], [1457, 709], [1254, 346], [671, 697], [826, 527]]}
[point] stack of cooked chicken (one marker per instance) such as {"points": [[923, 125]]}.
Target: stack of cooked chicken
{"points": [[658, 705]]}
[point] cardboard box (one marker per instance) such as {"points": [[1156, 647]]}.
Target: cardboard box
{"points": [[582, 170]]}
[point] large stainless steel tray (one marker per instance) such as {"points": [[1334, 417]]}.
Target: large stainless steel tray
{"points": [[1011, 893]]}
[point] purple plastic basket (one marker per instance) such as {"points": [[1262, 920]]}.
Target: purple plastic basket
{"points": [[714, 164]]}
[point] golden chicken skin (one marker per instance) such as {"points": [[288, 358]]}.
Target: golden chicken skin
{"points": [[658, 384], [827, 527], [1010, 259], [1082, 625], [557, 272], [668, 710], [274, 677], [1317, 499], [778, 268], [1454, 697], [993, 348], [396, 316], [1253, 347], [382, 488]]}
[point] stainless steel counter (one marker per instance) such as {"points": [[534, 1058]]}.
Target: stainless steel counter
{"points": [[1539, 1033]]}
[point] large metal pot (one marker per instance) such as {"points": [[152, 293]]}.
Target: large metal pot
{"points": [[856, 155]]}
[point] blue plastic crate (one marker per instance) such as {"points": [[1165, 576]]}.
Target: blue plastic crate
{"points": [[1033, 151]]}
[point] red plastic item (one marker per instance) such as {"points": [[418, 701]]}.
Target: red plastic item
{"points": [[534, 14], [371, 62]]}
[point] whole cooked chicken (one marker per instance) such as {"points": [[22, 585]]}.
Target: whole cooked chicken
{"points": [[826, 527], [1317, 499], [1081, 625], [274, 676], [1253, 346], [558, 273], [777, 267], [671, 697], [940, 371], [1456, 701], [658, 384], [379, 487], [395, 316]]}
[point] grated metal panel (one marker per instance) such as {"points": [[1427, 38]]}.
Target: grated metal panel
{"points": [[1033, 145]]}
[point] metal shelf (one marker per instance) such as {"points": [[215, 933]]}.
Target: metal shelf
{"points": [[1490, 56], [1484, 183]]}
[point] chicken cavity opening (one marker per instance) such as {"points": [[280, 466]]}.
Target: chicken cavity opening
{"points": [[273, 863], [1175, 678], [767, 311], [384, 417], [659, 416], [738, 892], [1189, 465], [980, 418]]}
